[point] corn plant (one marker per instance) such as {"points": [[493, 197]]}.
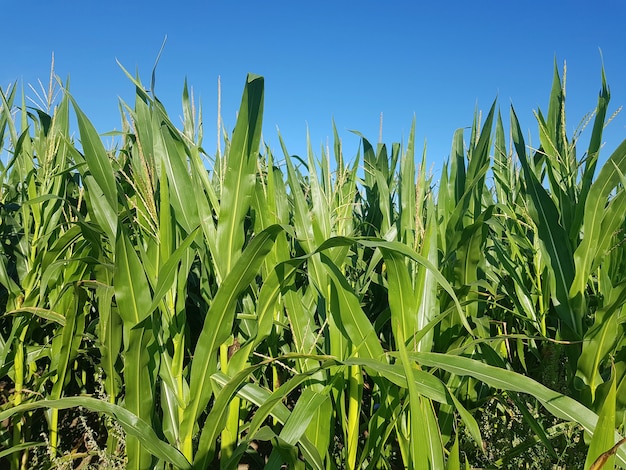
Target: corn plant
{"points": [[312, 311]]}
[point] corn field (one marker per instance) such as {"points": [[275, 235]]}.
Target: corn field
{"points": [[161, 307]]}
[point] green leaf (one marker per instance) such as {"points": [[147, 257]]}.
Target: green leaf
{"points": [[402, 301], [133, 425], [598, 221], [553, 236], [218, 324], [425, 446], [349, 315], [43, 313], [604, 438], [21, 447], [132, 291], [172, 153], [301, 416], [97, 161], [454, 459], [167, 272], [239, 179], [603, 339], [593, 151], [425, 281], [269, 403], [559, 405], [140, 369]]}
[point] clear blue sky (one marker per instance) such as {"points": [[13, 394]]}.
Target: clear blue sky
{"points": [[321, 60]]}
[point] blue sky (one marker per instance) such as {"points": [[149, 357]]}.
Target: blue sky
{"points": [[324, 60]]}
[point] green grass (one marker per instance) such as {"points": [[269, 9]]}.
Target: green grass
{"points": [[185, 310]]}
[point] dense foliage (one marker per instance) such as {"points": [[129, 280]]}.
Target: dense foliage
{"points": [[163, 308]]}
